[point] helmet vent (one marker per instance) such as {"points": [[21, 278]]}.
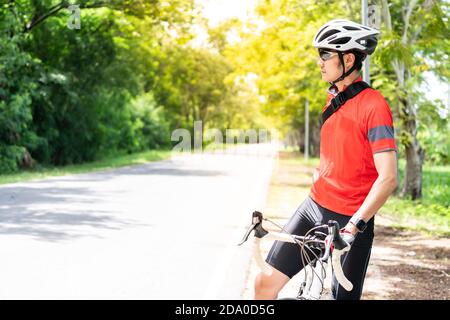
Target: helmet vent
{"points": [[342, 40], [328, 34], [351, 28], [320, 32]]}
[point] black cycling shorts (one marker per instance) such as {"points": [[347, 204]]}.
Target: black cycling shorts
{"points": [[286, 257]]}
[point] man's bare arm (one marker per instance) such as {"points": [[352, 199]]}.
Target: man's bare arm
{"points": [[384, 185]]}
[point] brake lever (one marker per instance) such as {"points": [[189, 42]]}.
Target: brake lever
{"points": [[256, 225], [338, 242]]}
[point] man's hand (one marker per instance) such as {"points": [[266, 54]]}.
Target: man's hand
{"points": [[350, 227], [347, 236]]}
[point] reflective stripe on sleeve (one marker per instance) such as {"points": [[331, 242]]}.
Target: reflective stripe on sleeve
{"points": [[380, 132]]}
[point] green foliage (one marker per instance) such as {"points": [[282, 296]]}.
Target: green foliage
{"points": [[67, 96], [280, 55], [129, 76], [434, 135], [431, 213], [405, 52], [151, 129], [190, 83], [16, 90], [9, 156]]}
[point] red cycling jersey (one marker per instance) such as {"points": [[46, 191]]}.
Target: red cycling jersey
{"points": [[361, 127]]}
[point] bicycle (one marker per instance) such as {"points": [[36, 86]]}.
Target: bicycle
{"points": [[331, 245]]}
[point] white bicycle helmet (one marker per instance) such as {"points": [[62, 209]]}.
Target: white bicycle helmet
{"points": [[347, 36]]}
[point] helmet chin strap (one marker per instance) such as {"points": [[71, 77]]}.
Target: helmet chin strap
{"points": [[344, 74]]}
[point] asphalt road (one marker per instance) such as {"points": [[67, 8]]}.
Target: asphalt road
{"points": [[163, 230]]}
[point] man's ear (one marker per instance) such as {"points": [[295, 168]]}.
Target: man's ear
{"points": [[350, 59]]}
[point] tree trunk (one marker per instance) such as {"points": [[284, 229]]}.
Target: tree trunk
{"points": [[414, 152], [413, 173], [314, 142], [300, 136], [414, 161]]}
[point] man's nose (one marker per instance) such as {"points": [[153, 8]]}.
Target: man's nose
{"points": [[320, 62]]}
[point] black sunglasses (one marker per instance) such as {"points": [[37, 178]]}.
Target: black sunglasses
{"points": [[326, 55]]}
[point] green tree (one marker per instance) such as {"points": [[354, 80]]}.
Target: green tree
{"points": [[17, 88], [190, 84], [279, 53], [415, 39], [67, 95]]}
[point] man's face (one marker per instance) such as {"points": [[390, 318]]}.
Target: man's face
{"points": [[329, 64]]}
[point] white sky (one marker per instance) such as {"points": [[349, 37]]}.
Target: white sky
{"points": [[218, 10], [435, 89]]}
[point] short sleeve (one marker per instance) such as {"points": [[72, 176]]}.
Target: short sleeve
{"points": [[379, 124]]}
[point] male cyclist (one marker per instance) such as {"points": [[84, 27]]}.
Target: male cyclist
{"points": [[358, 167]]}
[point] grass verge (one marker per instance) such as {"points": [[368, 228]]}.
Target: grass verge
{"points": [[431, 213], [110, 162]]}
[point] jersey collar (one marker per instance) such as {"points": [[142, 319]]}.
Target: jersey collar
{"points": [[333, 90]]}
